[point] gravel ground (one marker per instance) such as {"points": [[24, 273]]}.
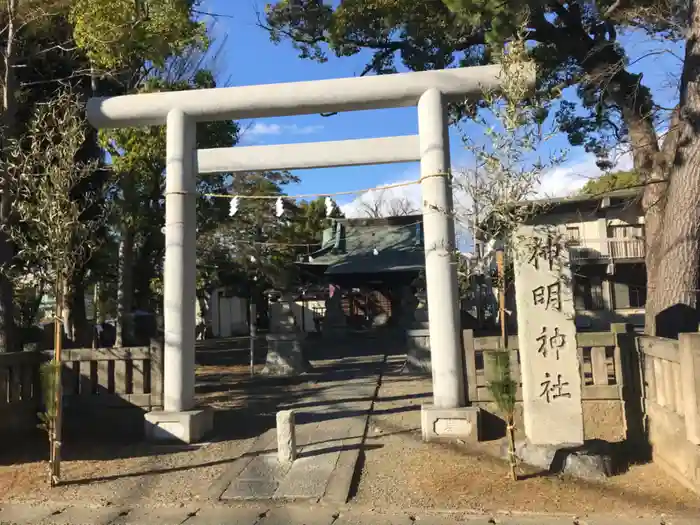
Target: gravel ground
{"points": [[140, 473], [403, 472], [399, 471]]}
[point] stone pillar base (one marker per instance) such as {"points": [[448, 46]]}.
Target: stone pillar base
{"points": [[449, 424], [285, 355], [188, 426]]}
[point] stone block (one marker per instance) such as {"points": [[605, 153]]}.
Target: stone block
{"points": [[286, 437], [592, 461], [445, 424], [188, 426], [549, 362], [418, 351], [285, 355]]}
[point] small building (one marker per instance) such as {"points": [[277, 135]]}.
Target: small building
{"points": [[605, 236], [373, 264]]}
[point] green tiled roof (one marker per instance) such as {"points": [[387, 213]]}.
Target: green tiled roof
{"points": [[398, 241]]}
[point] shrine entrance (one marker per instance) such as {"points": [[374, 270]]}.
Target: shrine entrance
{"points": [[429, 91]]}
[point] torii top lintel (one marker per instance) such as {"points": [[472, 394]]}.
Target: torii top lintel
{"points": [[294, 98]]}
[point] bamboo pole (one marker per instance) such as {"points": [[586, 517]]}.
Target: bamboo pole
{"points": [[502, 297], [95, 316], [253, 331], [510, 423], [58, 390]]}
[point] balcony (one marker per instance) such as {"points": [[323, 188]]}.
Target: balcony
{"points": [[608, 250]]}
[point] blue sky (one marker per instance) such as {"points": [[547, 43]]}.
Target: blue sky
{"points": [[248, 57]]}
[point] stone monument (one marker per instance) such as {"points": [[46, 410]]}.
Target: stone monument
{"points": [[550, 367], [335, 323], [285, 353]]}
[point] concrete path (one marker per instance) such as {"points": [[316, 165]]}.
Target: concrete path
{"points": [[330, 425], [286, 515]]}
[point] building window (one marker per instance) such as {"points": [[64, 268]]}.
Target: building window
{"points": [[638, 296], [588, 292], [629, 287], [573, 235], [626, 231]]}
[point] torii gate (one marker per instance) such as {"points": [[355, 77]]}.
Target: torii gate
{"points": [[181, 110]]}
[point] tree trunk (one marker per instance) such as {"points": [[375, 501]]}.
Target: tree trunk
{"points": [[66, 317], [9, 117], [125, 290], [674, 248], [144, 272], [81, 331]]}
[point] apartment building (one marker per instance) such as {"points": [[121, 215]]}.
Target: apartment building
{"points": [[605, 236]]}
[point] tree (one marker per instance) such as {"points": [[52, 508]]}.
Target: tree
{"points": [[51, 230], [575, 44], [138, 156], [19, 18], [508, 162], [52, 42], [377, 205], [617, 180], [504, 391]]}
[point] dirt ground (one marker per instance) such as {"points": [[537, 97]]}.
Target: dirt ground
{"points": [[136, 472], [108, 471], [399, 470], [403, 472]]}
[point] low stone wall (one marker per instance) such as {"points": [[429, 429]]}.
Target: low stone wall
{"points": [[671, 393]]}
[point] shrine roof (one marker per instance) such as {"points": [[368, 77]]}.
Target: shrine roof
{"points": [[349, 246]]}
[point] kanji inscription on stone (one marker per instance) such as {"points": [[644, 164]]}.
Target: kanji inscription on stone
{"points": [[552, 389], [551, 342], [548, 296], [549, 360], [543, 249]]}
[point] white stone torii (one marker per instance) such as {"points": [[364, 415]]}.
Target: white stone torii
{"points": [[181, 110]]}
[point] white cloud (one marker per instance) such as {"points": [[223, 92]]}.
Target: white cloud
{"points": [[261, 129], [563, 180], [304, 130], [570, 177]]}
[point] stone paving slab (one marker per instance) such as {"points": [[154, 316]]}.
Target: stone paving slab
{"points": [[308, 477], [223, 516], [21, 514], [83, 516], [329, 432], [251, 489], [158, 515], [17, 514], [299, 516]]}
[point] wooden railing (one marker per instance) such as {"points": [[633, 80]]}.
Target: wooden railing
{"points": [[102, 378], [599, 355], [662, 373], [613, 249], [626, 248]]}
